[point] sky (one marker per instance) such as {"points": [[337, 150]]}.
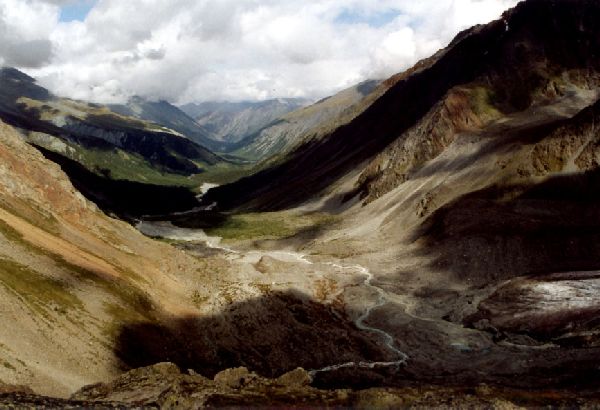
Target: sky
{"points": [[76, 10], [225, 50]]}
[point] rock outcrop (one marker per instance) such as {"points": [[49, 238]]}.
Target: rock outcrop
{"points": [[164, 386]]}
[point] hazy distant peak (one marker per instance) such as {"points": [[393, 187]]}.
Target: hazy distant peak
{"points": [[234, 121]]}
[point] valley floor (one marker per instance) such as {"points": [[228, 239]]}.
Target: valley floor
{"points": [[409, 339]]}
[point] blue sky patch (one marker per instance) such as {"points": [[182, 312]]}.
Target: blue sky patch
{"points": [[372, 19], [77, 10]]}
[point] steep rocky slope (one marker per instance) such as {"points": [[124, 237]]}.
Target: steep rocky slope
{"points": [[497, 234], [532, 55], [470, 189], [69, 276]]}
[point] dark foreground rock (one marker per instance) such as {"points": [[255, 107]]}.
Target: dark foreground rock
{"points": [[164, 386]]}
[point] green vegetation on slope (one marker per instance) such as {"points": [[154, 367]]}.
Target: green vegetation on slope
{"points": [[24, 281], [268, 225], [117, 164], [249, 226], [482, 102], [120, 165], [38, 291]]}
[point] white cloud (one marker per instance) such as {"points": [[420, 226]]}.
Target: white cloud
{"points": [[25, 29], [195, 50]]}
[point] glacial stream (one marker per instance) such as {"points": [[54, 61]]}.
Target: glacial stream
{"points": [[165, 229], [360, 323]]}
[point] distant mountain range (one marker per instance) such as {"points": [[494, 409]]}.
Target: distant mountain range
{"points": [[156, 142], [94, 128], [167, 115], [305, 123], [250, 130], [260, 130], [232, 122]]}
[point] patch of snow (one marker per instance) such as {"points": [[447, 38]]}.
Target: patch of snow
{"points": [[205, 187], [567, 294]]}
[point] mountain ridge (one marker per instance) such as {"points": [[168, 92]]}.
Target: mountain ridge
{"points": [[232, 122], [53, 122], [168, 115], [415, 94], [290, 130]]}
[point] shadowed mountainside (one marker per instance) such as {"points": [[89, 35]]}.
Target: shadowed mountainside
{"points": [[126, 199], [516, 60], [551, 225], [302, 332]]}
